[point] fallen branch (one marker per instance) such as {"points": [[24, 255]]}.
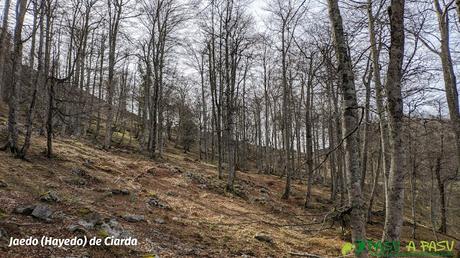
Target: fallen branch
{"points": [[305, 255]]}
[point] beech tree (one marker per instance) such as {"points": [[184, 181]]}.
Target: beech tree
{"points": [[4, 40], [15, 79], [341, 101], [395, 203], [351, 120]]}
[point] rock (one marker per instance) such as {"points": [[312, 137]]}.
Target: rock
{"points": [[59, 215], [263, 237], [113, 228], [86, 224], [157, 203], [120, 192], [3, 184], [261, 200], [133, 218], [264, 190], [91, 220], [24, 210], [160, 221], [50, 196], [170, 168], [3, 233], [77, 229], [79, 172], [9, 229], [42, 212], [88, 163], [199, 179]]}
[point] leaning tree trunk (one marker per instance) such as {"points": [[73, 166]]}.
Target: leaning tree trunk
{"points": [[395, 202], [374, 188], [40, 78], [450, 80], [350, 125]]}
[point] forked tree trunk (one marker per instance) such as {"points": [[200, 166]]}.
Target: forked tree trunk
{"points": [[39, 79], [14, 83]]}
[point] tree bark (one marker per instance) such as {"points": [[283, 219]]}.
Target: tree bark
{"points": [[287, 123], [450, 80], [374, 187], [114, 21], [442, 191], [379, 94], [13, 102], [395, 202], [39, 79], [308, 133], [457, 3], [350, 124], [3, 48]]}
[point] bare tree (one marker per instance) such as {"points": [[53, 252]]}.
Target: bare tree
{"points": [[4, 42], [350, 125], [115, 10], [15, 79], [395, 202], [450, 80]]}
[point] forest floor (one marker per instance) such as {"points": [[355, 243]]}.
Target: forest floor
{"points": [[174, 207]]}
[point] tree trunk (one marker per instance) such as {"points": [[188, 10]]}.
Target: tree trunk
{"points": [[375, 55], [350, 125], [365, 148], [374, 187], [3, 49], [441, 188], [308, 133], [13, 101], [114, 21], [286, 117], [450, 80], [457, 3], [39, 79], [395, 202]]}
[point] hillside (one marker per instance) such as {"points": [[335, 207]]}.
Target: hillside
{"points": [[175, 207]]}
